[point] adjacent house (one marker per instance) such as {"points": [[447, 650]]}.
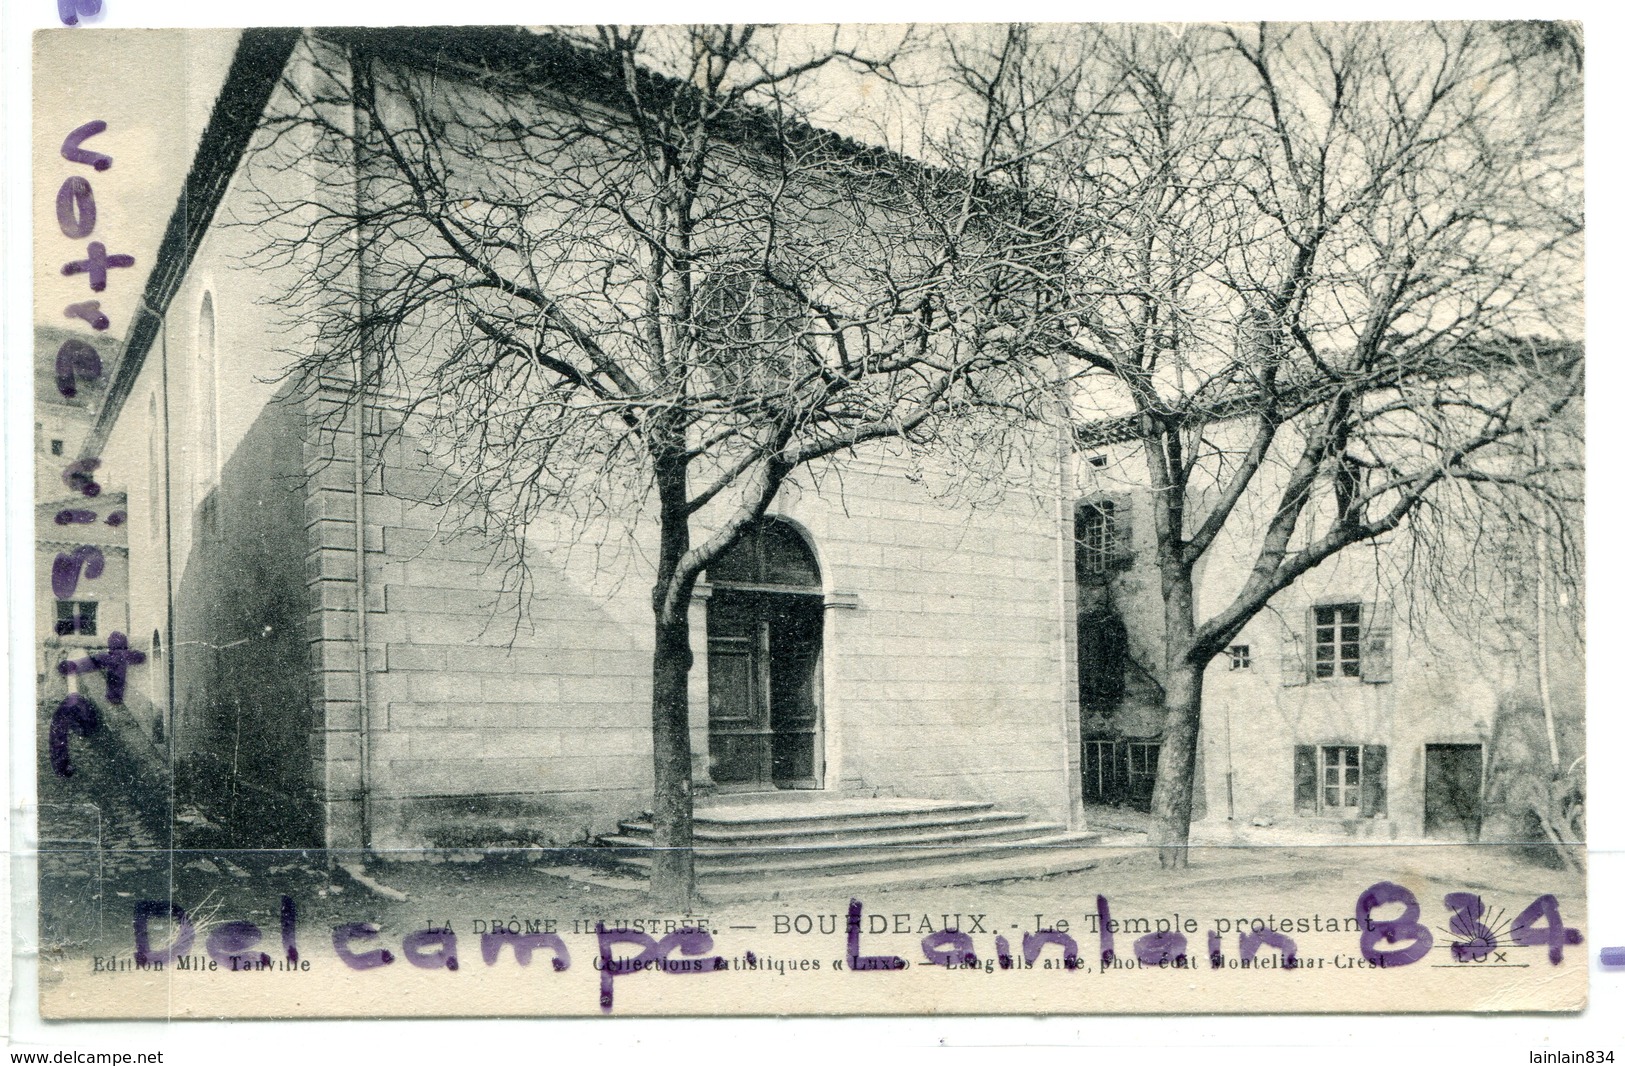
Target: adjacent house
{"points": [[1366, 701], [81, 557]]}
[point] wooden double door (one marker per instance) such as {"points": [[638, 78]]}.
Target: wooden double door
{"points": [[765, 689]]}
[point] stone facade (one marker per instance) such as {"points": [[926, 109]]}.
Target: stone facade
{"points": [[350, 671], [1438, 697]]}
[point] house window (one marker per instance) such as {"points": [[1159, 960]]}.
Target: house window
{"points": [[752, 333], [1341, 780], [1142, 769], [76, 616], [1120, 773], [56, 447], [1096, 536], [1241, 657], [1337, 641], [1341, 642]]}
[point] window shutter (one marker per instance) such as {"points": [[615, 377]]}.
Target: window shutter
{"points": [[1123, 531], [1304, 776], [1373, 780], [1377, 643], [1297, 658], [1102, 659]]}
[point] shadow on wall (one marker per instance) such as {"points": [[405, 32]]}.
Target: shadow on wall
{"points": [[242, 695], [542, 743]]}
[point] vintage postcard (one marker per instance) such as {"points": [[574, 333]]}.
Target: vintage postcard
{"points": [[746, 520]]}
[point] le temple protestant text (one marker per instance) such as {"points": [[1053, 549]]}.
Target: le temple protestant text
{"points": [[1385, 941]]}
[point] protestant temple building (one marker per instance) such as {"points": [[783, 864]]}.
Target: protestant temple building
{"points": [[325, 670]]}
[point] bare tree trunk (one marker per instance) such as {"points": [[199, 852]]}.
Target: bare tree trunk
{"points": [[1176, 766], [1548, 809], [672, 880], [1553, 820], [1182, 719], [672, 877]]}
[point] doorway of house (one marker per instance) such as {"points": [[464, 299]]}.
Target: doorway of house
{"points": [[765, 637], [1453, 791]]}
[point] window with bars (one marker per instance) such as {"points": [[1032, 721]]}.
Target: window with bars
{"points": [[1097, 537], [1120, 772], [1099, 770], [1337, 641], [1142, 767]]}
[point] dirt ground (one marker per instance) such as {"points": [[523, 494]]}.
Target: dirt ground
{"points": [[105, 847]]}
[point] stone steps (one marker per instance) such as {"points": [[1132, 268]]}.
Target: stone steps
{"points": [[1016, 865], [926, 847], [817, 842], [809, 811], [634, 834]]}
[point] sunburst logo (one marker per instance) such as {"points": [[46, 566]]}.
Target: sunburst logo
{"points": [[1475, 932]]}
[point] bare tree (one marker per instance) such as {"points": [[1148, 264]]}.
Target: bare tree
{"points": [[1506, 568], [1328, 282], [608, 269]]}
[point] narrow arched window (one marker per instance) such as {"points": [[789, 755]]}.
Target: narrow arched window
{"points": [[207, 393], [204, 444], [752, 333]]}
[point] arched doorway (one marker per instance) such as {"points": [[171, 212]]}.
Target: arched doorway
{"points": [[764, 638]]}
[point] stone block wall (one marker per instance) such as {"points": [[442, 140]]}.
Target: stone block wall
{"points": [[242, 692], [945, 667], [951, 673]]}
